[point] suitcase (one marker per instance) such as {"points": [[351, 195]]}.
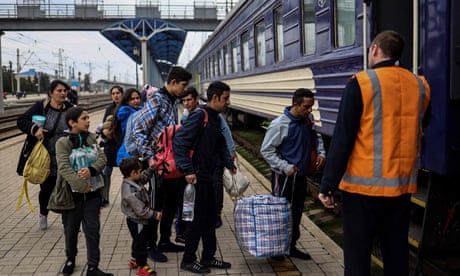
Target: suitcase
{"points": [[263, 225]]}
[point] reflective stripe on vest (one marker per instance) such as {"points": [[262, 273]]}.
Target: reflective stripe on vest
{"points": [[377, 183]]}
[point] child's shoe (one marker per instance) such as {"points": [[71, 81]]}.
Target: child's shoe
{"points": [[146, 270], [133, 264]]}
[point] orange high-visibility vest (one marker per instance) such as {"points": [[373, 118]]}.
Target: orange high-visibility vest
{"points": [[385, 157]]}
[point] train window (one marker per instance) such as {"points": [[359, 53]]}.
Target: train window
{"points": [[234, 56], [225, 60], [245, 51], [215, 59], [219, 63], [279, 38], [206, 67], [344, 22], [260, 43], [211, 66], [309, 32]]}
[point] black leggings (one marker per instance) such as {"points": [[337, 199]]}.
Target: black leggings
{"points": [[46, 188]]}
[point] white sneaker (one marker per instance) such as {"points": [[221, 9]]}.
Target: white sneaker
{"points": [[42, 222]]}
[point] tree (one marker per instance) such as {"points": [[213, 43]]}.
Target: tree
{"points": [[7, 79]]}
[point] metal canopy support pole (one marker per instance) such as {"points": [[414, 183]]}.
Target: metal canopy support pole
{"points": [[143, 30], [144, 60]]}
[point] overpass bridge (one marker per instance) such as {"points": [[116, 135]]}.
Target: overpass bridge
{"points": [[94, 15], [149, 32]]}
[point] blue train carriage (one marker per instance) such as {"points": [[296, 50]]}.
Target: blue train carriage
{"points": [[267, 49]]}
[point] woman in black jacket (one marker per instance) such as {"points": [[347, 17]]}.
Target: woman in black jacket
{"points": [[112, 140], [53, 108]]}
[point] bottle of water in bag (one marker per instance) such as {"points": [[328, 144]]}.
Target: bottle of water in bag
{"points": [[189, 203]]}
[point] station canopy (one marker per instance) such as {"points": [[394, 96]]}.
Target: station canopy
{"points": [[164, 40]]}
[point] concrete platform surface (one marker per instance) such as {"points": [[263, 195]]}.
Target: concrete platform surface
{"points": [[27, 250]]}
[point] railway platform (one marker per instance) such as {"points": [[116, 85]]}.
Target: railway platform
{"points": [[27, 250]]}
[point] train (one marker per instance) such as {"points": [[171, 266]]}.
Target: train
{"points": [[265, 49]]}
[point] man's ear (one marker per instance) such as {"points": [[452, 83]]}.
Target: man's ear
{"points": [[214, 97]]}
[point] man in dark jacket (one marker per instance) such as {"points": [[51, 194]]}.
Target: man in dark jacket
{"points": [[209, 146]]}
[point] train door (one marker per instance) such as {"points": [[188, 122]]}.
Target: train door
{"points": [[394, 15]]}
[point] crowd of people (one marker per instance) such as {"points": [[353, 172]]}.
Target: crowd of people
{"points": [[82, 165]]}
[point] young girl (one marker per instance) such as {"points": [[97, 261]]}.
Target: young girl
{"points": [[128, 105], [135, 205], [80, 162]]}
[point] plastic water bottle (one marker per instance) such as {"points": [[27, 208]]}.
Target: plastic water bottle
{"points": [[189, 203]]}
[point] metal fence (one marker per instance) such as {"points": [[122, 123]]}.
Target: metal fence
{"points": [[96, 9]]}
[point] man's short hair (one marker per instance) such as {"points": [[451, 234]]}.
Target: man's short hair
{"points": [[391, 43], [216, 88], [301, 93], [128, 165], [191, 91], [179, 74]]}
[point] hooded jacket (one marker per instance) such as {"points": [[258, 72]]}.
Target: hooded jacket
{"points": [[288, 142]]}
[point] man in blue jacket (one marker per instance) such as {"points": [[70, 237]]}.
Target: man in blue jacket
{"points": [[287, 148], [209, 146]]}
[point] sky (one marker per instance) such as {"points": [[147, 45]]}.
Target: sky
{"points": [[84, 51]]}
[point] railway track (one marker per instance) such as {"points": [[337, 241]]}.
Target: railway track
{"points": [[8, 128]]}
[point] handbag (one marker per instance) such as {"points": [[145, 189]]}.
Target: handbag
{"points": [[29, 144], [36, 170], [235, 184]]}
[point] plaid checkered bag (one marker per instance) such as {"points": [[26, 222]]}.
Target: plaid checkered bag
{"points": [[263, 225]]}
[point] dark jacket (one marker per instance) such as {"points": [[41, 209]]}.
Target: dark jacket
{"points": [[112, 145], [210, 146], [28, 127]]}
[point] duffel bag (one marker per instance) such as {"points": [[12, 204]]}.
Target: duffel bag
{"points": [[263, 225]]}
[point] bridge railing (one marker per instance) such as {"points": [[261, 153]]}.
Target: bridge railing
{"points": [[110, 11]]}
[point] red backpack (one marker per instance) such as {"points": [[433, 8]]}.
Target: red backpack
{"points": [[165, 165]]}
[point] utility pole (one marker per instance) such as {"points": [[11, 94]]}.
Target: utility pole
{"points": [[60, 69], [90, 71], [18, 69], [12, 76], [1, 75]]}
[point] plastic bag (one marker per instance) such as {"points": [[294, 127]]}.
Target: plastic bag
{"points": [[235, 184]]}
